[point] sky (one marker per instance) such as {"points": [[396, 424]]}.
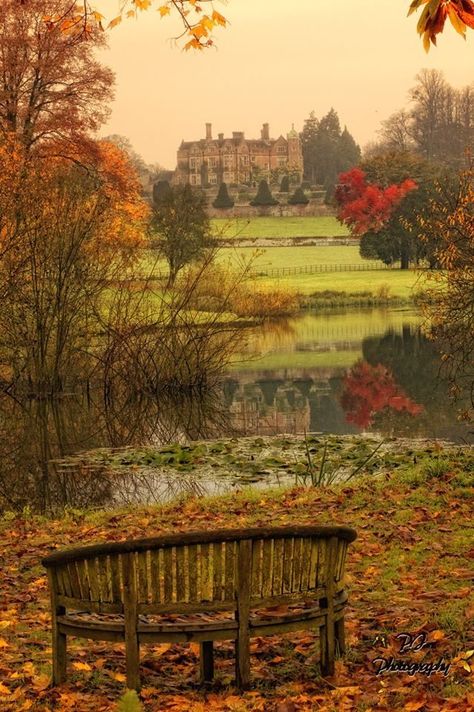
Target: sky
{"points": [[277, 61]]}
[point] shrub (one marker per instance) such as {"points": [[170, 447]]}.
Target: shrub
{"points": [[223, 199], [285, 185], [306, 185], [264, 196], [161, 189], [268, 303], [298, 197]]}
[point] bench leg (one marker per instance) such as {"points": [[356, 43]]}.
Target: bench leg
{"points": [[340, 636], [59, 655], [132, 660], [326, 649], [207, 661], [242, 660]]}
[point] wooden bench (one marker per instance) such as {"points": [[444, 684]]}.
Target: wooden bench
{"points": [[115, 591]]}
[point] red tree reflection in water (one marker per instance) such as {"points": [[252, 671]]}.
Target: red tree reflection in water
{"points": [[370, 389]]}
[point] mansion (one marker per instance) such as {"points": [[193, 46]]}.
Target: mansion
{"points": [[210, 161]]}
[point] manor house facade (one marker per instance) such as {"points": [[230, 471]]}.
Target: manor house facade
{"points": [[209, 161]]}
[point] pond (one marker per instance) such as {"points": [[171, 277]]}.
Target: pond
{"points": [[345, 372], [366, 371]]}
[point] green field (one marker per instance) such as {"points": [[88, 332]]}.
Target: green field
{"points": [[401, 282], [283, 227]]}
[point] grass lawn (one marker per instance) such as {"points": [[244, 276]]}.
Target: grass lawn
{"points": [[407, 572], [279, 227], [401, 284]]}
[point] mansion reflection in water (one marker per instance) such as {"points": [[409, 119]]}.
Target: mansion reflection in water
{"points": [[402, 387]]}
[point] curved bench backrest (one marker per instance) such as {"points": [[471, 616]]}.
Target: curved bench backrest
{"points": [[194, 571]]}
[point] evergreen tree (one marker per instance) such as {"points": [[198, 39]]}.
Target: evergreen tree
{"points": [[308, 143], [161, 189], [223, 199], [327, 151], [264, 196], [285, 185], [298, 197]]}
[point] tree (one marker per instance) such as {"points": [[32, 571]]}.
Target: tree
{"points": [[377, 200], [326, 150], [442, 118], [76, 229], [298, 197], [51, 86], [181, 226], [396, 133], [161, 189], [449, 222], [264, 196], [308, 142], [285, 184], [223, 199]]}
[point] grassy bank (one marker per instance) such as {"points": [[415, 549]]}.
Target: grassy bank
{"points": [[407, 573], [276, 227]]}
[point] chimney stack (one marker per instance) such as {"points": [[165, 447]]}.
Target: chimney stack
{"points": [[265, 132], [221, 137], [209, 132]]}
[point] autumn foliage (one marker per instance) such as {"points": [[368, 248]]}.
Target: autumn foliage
{"points": [[366, 207], [435, 13], [370, 389]]}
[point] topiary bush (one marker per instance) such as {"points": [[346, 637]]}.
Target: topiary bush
{"points": [[298, 197], [264, 196], [223, 199], [161, 189], [285, 185]]}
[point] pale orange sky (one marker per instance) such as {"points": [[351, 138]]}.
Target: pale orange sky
{"points": [[277, 61]]}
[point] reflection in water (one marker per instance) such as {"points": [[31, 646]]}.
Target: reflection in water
{"points": [[347, 380], [371, 389], [311, 380], [37, 434]]}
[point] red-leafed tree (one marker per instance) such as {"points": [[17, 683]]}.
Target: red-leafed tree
{"points": [[378, 200], [370, 389], [367, 207]]}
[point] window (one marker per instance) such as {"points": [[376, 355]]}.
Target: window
{"points": [[213, 179], [213, 162], [244, 160], [281, 162], [281, 149], [192, 163]]}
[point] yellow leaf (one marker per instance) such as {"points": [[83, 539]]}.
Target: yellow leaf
{"points": [[164, 10], [119, 676], [3, 643], [4, 624], [456, 21], [81, 666], [116, 21], [218, 18], [4, 690]]}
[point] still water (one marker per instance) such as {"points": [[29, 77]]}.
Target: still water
{"points": [[370, 371], [343, 373]]}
